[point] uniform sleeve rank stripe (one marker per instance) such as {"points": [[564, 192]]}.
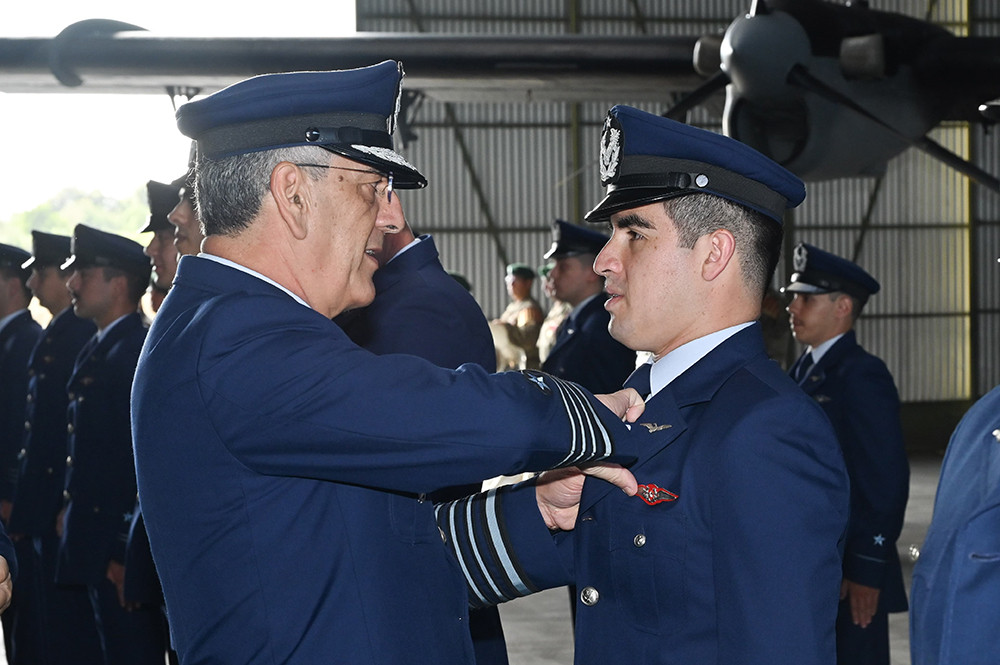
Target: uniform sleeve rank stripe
{"points": [[450, 521], [501, 548], [491, 573], [590, 438]]}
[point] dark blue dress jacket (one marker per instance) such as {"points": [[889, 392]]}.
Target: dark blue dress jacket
{"points": [[280, 471], [741, 563], [420, 309], [39, 495], [100, 472], [586, 353], [17, 339], [956, 581], [857, 393]]}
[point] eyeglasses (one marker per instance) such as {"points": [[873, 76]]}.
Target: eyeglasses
{"points": [[375, 185]]}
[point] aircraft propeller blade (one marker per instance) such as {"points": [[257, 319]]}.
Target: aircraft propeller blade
{"points": [[679, 110], [800, 76]]}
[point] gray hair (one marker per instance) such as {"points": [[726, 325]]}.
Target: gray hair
{"points": [[229, 191], [758, 237]]}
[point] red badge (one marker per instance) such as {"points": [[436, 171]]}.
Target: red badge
{"points": [[653, 495]]}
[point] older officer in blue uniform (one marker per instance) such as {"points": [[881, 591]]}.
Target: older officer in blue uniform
{"points": [[956, 581], [287, 509], [420, 309], [584, 350], [55, 623], [731, 552], [857, 392], [109, 275]]}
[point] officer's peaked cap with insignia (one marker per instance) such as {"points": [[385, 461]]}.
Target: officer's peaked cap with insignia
{"points": [[48, 249], [647, 158], [572, 240], [94, 248], [817, 271], [15, 259], [351, 112], [162, 199]]}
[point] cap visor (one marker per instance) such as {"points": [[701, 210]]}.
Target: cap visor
{"points": [[633, 197], [404, 175], [802, 287]]}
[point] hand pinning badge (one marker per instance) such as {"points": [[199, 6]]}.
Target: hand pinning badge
{"points": [[653, 495]]}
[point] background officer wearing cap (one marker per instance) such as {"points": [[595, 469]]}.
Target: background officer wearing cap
{"points": [[731, 555], [161, 250], [558, 311], [857, 392], [184, 215], [287, 509], [110, 275], [584, 351], [55, 623], [516, 329], [18, 335], [422, 310]]}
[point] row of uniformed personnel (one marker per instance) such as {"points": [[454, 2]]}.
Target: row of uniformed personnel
{"points": [[87, 591]]}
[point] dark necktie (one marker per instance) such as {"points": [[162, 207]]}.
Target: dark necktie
{"points": [[639, 380], [802, 366], [85, 352]]}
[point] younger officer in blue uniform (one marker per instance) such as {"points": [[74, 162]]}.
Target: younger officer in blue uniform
{"points": [[287, 508], [55, 624], [731, 554], [110, 274], [856, 391], [584, 351], [956, 581]]}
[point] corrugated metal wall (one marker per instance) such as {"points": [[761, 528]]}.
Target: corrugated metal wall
{"points": [[501, 173]]}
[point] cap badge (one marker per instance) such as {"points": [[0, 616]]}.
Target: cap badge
{"points": [[800, 257], [611, 150], [653, 495]]}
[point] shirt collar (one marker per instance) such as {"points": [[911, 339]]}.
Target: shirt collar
{"points": [[413, 243], [10, 317], [254, 273], [678, 361], [101, 334], [820, 350]]}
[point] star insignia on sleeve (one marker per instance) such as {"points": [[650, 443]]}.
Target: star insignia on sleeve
{"points": [[538, 378], [880, 540]]}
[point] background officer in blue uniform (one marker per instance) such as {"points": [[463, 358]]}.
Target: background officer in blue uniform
{"points": [[287, 510], [55, 622], [732, 553], [956, 581], [18, 334], [584, 350], [109, 276], [162, 198], [422, 310], [857, 392]]}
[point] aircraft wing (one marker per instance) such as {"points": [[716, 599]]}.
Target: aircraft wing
{"points": [[109, 57]]}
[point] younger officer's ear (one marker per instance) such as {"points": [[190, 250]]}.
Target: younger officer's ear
{"points": [[289, 191], [721, 246]]}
